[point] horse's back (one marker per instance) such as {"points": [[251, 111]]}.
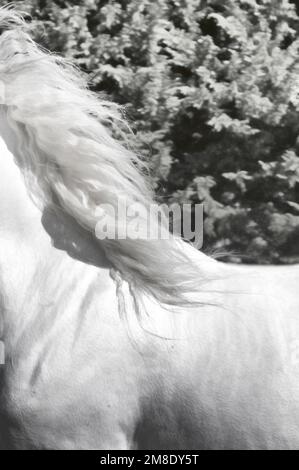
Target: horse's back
{"points": [[238, 372]]}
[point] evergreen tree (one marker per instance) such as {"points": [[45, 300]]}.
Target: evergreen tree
{"points": [[211, 88]]}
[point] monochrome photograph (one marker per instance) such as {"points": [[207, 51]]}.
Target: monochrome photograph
{"points": [[149, 227]]}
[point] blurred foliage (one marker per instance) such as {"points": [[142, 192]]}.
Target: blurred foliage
{"points": [[212, 90]]}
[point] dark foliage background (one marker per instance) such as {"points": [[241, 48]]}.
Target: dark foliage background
{"points": [[212, 92]]}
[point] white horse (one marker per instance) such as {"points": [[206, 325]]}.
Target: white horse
{"points": [[121, 344]]}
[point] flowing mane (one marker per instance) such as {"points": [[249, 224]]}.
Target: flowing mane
{"points": [[67, 153]]}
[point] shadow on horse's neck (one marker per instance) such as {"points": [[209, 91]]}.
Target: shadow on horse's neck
{"points": [[67, 235]]}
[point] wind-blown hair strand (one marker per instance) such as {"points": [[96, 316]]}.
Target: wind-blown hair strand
{"points": [[66, 151]]}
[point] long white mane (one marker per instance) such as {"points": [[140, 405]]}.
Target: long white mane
{"points": [[67, 153]]}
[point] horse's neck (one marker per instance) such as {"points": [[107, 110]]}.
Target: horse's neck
{"points": [[44, 279], [43, 253], [20, 229]]}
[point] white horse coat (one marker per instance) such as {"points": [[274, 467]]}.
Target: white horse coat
{"points": [[78, 376], [85, 367]]}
